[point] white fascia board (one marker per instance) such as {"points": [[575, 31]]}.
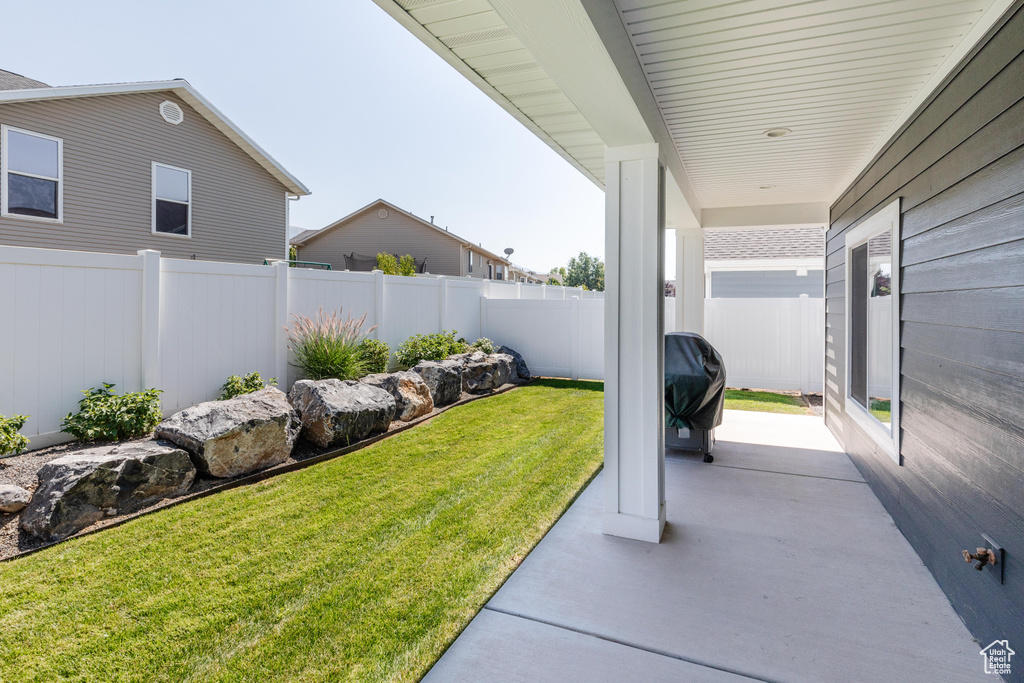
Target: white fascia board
{"points": [[810, 263], [769, 215], [988, 20], [444, 52], [190, 95]]}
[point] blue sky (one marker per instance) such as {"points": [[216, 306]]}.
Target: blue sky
{"points": [[344, 98]]}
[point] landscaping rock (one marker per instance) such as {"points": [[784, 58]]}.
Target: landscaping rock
{"points": [[522, 372], [82, 488], [481, 373], [13, 498], [443, 378], [334, 412], [411, 393], [237, 436]]}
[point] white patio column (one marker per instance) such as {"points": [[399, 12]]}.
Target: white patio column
{"points": [[690, 280], [634, 420]]}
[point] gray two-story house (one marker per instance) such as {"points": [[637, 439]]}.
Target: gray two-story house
{"points": [[122, 167]]}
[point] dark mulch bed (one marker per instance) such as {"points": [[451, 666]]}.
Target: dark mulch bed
{"points": [[816, 402], [21, 470]]}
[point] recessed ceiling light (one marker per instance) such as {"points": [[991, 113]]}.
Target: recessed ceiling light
{"points": [[765, 187], [777, 132]]}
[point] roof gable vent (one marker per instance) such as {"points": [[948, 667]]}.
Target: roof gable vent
{"points": [[383, 213], [171, 112]]}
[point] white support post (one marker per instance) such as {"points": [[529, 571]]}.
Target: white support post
{"points": [[634, 418], [574, 338], [378, 303], [281, 271], [483, 317], [805, 359], [544, 292], [690, 280], [519, 290], [442, 300], [150, 318]]}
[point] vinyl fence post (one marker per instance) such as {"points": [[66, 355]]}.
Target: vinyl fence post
{"points": [[281, 270], [543, 292], [484, 332], [519, 290], [805, 344], [150, 318], [442, 293], [574, 338], [378, 303]]}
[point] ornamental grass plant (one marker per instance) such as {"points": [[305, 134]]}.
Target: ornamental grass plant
{"points": [[327, 346]]}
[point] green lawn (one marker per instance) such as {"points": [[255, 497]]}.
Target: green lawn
{"points": [[882, 409], [361, 568], [764, 401]]}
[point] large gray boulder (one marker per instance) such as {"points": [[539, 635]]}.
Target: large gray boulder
{"points": [[13, 498], [482, 373], [443, 378], [334, 412], [82, 488], [411, 393], [237, 436], [522, 372]]}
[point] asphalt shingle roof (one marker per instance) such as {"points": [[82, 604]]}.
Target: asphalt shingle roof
{"points": [[12, 81], [759, 243]]}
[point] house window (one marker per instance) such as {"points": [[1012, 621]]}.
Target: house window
{"points": [[470, 260], [31, 174], [501, 272], [872, 294], [172, 200], [490, 271]]}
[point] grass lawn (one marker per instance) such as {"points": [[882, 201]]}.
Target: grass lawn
{"points": [[764, 401], [882, 409], [361, 568]]}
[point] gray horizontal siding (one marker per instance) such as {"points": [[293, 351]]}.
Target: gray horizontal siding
{"points": [[766, 284], [110, 142], [959, 169]]}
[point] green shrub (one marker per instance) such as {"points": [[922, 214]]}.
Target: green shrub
{"points": [[407, 266], [436, 346], [375, 355], [11, 442], [327, 346], [387, 264], [104, 415], [239, 386], [484, 344]]}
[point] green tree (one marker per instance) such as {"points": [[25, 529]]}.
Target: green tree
{"points": [[553, 281], [585, 271]]}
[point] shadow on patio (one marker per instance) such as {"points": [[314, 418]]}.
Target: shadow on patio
{"points": [[777, 563]]}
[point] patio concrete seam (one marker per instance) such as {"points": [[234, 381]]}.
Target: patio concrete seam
{"points": [[635, 646], [790, 474]]}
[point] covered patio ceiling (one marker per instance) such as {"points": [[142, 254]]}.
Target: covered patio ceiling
{"points": [[708, 79]]}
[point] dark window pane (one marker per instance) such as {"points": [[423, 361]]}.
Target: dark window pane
{"points": [[171, 217], [859, 324], [31, 196]]}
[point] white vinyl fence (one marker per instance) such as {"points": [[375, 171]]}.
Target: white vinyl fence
{"points": [[70, 321]]}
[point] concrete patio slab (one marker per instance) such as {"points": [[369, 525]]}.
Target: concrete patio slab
{"points": [[777, 563]]}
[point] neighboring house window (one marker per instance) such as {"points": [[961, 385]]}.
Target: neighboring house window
{"points": [[172, 200], [501, 272], [470, 254], [490, 271], [872, 294], [32, 170]]}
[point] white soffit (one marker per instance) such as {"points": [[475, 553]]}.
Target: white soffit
{"points": [[843, 75]]}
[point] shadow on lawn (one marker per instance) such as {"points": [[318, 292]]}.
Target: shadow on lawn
{"points": [[582, 384]]}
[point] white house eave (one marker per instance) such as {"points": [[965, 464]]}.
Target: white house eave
{"points": [[184, 90]]}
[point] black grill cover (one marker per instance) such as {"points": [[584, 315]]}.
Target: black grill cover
{"points": [[694, 382]]}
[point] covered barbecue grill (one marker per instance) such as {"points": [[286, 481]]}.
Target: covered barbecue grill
{"points": [[694, 393]]}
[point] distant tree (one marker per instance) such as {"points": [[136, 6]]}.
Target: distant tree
{"points": [[585, 271], [293, 253], [553, 281]]}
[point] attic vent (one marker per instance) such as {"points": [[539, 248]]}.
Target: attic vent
{"points": [[383, 213], [171, 112]]}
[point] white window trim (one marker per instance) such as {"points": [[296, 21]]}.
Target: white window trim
{"points": [[3, 175], [887, 218], [153, 198]]}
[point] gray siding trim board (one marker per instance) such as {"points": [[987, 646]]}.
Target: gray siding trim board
{"points": [[110, 143], [959, 168]]}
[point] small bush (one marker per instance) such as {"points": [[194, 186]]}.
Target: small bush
{"points": [[374, 354], [104, 415], [407, 266], [484, 344], [387, 263], [11, 442], [436, 346], [327, 346], [239, 386]]}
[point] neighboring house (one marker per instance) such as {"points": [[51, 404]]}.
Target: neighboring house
{"points": [[527, 276], [353, 243], [764, 263], [119, 168]]}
